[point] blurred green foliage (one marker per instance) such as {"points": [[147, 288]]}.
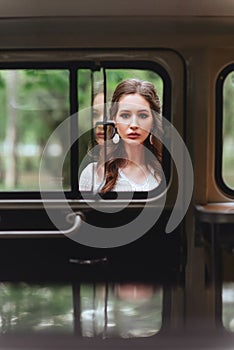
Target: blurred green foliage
{"points": [[28, 308], [228, 131], [39, 102]]}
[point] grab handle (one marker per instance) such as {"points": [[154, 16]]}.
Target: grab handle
{"points": [[40, 233]]}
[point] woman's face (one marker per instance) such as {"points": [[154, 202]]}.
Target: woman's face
{"points": [[134, 119], [135, 291], [98, 111]]}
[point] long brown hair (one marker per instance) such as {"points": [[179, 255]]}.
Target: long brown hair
{"points": [[116, 153]]}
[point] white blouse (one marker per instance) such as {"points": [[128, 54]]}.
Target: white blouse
{"points": [[89, 181]]}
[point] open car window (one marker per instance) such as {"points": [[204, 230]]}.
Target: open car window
{"points": [[53, 117], [225, 129]]}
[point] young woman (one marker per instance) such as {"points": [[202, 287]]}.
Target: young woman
{"points": [[98, 111], [134, 157]]}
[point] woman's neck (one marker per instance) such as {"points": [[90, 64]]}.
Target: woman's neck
{"points": [[135, 154]]}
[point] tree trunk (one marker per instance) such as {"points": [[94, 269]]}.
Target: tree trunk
{"points": [[10, 141]]}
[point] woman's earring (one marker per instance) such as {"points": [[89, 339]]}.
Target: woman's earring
{"points": [[116, 138], [151, 139]]}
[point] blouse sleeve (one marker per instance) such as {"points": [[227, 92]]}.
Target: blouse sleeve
{"points": [[86, 178]]}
